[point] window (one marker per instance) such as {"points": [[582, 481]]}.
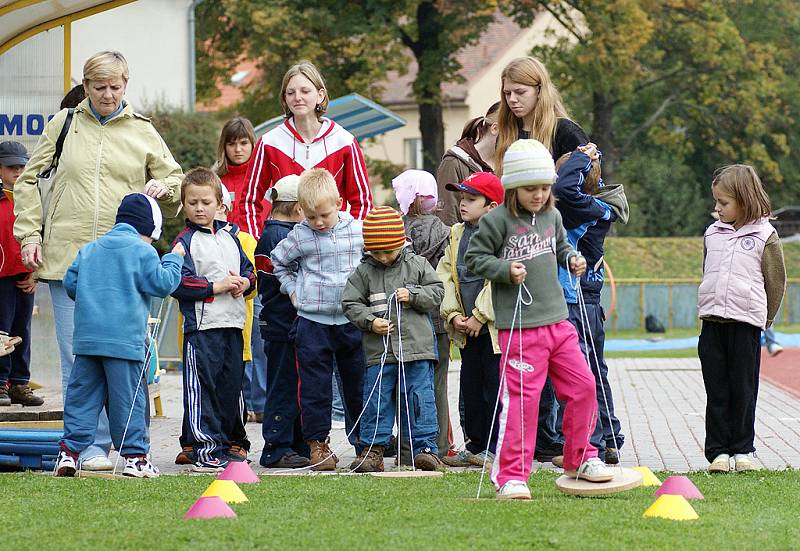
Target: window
{"points": [[413, 152]]}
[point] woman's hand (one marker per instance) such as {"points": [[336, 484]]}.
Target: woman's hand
{"points": [[32, 256], [155, 189]]}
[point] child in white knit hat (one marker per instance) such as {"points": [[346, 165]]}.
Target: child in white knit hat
{"points": [[525, 237]]}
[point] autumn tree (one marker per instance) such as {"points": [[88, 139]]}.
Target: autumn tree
{"points": [[354, 43]]}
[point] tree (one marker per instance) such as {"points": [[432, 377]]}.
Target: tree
{"points": [[354, 43], [679, 83]]}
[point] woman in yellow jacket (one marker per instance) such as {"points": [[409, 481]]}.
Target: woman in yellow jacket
{"points": [[109, 152]]}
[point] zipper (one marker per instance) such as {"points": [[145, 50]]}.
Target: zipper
{"points": [[97, 184], [308, 151]]}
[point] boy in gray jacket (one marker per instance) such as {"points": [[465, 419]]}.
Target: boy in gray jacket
{"points": [[312, 264], [389, 297]]}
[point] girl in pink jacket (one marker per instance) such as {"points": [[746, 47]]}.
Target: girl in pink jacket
{"points": [[744, 279]]}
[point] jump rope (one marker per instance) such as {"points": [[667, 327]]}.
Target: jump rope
{"points": [[525, 298]]}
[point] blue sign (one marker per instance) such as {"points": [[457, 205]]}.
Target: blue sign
{"points": [[19, 124]]}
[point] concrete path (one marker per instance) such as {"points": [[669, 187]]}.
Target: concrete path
{"points": [[660, 402]]}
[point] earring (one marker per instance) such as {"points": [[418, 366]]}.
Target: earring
{"points": [[318, 108]]}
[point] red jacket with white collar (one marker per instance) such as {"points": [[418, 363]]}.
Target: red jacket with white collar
{"points": [[10, 256], [282, 151], [235, 182]]}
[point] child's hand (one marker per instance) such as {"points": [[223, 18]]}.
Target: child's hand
{"points": [[293, 298], [178, 249], [460, 323], [381, 326], [578, 265], [590, 150], [224, 285], [27, 285], [518, 272], [473, 326], [242, 284], [403, 295]]}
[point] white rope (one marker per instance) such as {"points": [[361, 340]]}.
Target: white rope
{"points": [[586, 331], [151, 334], [517, 314], [402, 373]]}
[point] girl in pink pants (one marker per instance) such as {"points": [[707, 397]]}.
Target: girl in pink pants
{"points": [[519, 247]]}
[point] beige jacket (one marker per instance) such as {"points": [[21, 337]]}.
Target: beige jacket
{"points": [[451, 304], [99, 166]]}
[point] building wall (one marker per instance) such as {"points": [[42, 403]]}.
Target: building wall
{"points": [[153, 35]]}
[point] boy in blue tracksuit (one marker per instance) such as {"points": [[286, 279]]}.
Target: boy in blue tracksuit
{"points": [[215, 277], [111, 282], [312, 265], [284, 446], [588, 208]]}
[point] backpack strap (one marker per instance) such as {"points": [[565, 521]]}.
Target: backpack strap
{"points": [[62, 136]]}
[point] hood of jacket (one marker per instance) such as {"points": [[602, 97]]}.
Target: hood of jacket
{"points": [[429, 236], [614, 196]]}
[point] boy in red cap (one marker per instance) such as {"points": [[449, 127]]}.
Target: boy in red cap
{"points": [[469, 318], [17, 288], [389, 297]]}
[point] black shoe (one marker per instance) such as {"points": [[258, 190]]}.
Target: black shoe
{"points": [[612, 456], [290, 460], [546, 455], [391, 449]]}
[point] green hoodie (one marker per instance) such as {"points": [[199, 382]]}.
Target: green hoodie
{"points": [[366, 295], [538, 241]]}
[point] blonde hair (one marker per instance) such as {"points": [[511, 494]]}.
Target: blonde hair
{"points": [[234, 129], [106, 65], [743, 184], [591, 183], [315, 188], [511, 202], [545, 114], [310, 71], [202, 177]]}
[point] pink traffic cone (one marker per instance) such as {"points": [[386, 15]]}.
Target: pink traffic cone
{"points": [[209, 507], [679, 486], [239, 472]]}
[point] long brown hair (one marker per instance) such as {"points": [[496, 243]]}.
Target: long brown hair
{"points": [[475, 129], [234, 129], [743, 184], [543, 118]]}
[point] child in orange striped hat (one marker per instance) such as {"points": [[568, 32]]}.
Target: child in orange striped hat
{"points": [[389, 297]]}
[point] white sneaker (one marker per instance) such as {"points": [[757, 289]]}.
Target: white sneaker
{"points": [[592, 470], [742, 462], [514, 489], [774, 349], [65, 464], [97, 463], [140, 467], [721, 464]]}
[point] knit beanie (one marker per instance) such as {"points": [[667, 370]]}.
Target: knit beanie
{"points": [[527, 163], [383, 230], [142, 212]]}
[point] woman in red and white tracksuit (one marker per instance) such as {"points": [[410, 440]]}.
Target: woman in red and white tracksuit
{"points": [[304, 140]]}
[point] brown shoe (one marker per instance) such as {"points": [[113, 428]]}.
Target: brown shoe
{"points": [[5, 400], [186, 457], [369, 461], [322, 459], [22, 394], [428, 461]]}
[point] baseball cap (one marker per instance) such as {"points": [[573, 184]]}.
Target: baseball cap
{"points": [[481, 183], [285, 189], [13, 154]]}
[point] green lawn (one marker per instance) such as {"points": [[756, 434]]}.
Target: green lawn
{"points": [[671, 257], [754, 510]]}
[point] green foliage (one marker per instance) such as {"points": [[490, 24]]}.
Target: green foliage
{"points": [[192, 138], [682, 87], [362, 512]]}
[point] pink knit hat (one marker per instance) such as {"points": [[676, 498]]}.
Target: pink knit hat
{"points": [[412, 184]]}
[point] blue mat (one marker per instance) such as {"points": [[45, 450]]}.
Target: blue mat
{"points": [[639, 345]]}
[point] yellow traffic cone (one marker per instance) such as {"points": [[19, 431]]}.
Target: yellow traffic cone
{"points": [[227, 490], [671, 507], [648, 478]]}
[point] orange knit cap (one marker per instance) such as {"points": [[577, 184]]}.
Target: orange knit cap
{"points": [[383, 230]]}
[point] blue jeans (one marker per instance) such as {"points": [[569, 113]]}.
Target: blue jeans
{"points": [[255, 371], [416, 390], [63, 313], [768, 337], [98, 380]]}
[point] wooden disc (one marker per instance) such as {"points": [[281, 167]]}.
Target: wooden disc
{"points": [[102, 474], [407, 474], [624, 479]]}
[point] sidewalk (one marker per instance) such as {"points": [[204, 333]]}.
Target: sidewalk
{"points": [[660, 402]]}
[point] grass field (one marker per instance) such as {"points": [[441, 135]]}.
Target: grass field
{"points": [[671, 257], [753, 510]]}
